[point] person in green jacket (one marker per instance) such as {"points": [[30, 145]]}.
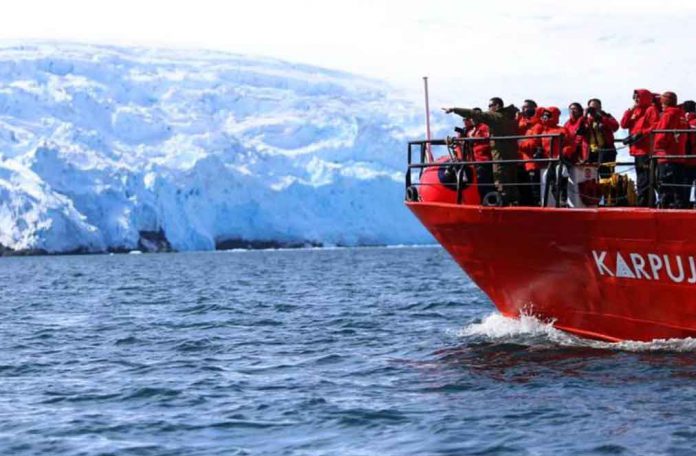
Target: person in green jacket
{"points": [[502, 122]]}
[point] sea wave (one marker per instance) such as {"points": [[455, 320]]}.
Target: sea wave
{"points": [[529, 330]]}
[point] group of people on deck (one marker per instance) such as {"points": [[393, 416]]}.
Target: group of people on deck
{"points": [[587, 137]]}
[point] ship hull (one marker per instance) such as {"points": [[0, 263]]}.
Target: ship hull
{"points": [[612, 273]]}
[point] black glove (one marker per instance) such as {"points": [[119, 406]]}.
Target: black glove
{"points": [[632, 139]]}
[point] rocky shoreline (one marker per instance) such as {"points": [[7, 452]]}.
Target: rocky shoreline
{"points": [[155, 242]]}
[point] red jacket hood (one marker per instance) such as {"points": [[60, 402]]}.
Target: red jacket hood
{"points": [[645, 97], [555, 116], [673, 110]]}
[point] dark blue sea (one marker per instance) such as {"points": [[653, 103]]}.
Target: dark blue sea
{"points": [[313, 352]]}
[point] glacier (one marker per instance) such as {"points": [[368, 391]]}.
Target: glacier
{"points": [[101, 145]]}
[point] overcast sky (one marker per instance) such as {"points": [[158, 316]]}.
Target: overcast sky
{"points": [[550, 50]]}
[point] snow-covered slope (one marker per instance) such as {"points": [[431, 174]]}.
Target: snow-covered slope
{"points": [[101, 144]]}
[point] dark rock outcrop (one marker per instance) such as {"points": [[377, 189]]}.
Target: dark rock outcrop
{"points": [[254, 244], [7, 251], [154, 241]]}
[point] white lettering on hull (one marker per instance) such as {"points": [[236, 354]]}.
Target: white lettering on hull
{"points": [[639, 265], [650, 266], [655, 265], [622, 269], [599, 261], [680, 277], [692, 279]]}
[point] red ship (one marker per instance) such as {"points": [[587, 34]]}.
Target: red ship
{"points": [[602, 272]]}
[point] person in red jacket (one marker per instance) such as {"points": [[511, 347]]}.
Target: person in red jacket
{"points": [[601, 127], [577, 128], [640, 121], [462, 150], [656, 103], [482, 154], [689, 108], [549, 147], [670, 170], [528, 117]]}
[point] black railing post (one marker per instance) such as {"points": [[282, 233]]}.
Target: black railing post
{"points": [[422, 158], [408, 169], [545, 196], [651, 177], [557, 174], [460, 183]]}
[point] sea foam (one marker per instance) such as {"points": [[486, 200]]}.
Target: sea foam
{"points": [[529, 330]]}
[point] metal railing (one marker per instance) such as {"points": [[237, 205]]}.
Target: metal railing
{"points": [[460, 166], [653, 183]]}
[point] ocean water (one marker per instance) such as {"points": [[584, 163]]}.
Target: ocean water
{"points": [[313, 352]]}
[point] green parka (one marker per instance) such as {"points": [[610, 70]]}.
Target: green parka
{"points": [[501, 123]]}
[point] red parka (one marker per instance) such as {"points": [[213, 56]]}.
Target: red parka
{"points": [[640, 120], [577, 128], [525, 124], [564, 146], [672, 118], [482, 148]]}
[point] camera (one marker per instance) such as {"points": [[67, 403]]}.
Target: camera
{"points": [[460, 130], [591, 111]]}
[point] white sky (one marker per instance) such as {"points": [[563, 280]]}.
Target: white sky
{"points": [[549, 50]]}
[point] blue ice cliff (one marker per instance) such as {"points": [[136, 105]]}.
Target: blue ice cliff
{"points": [[105, 148]]}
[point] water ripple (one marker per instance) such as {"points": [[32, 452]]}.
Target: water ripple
{"points": [[321, 352]]}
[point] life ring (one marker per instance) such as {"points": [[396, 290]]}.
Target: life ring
{"points": [[412, 193], [492, 199]]}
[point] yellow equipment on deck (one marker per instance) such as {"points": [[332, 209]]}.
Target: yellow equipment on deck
{"points": [[618, 190]]}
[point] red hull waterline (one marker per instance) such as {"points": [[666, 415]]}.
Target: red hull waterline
{"points": [[611, 273]]}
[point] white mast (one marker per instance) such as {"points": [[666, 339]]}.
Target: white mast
{"points": [[427, 118]]}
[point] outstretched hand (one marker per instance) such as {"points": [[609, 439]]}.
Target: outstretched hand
{"points": [[448, 110]]}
